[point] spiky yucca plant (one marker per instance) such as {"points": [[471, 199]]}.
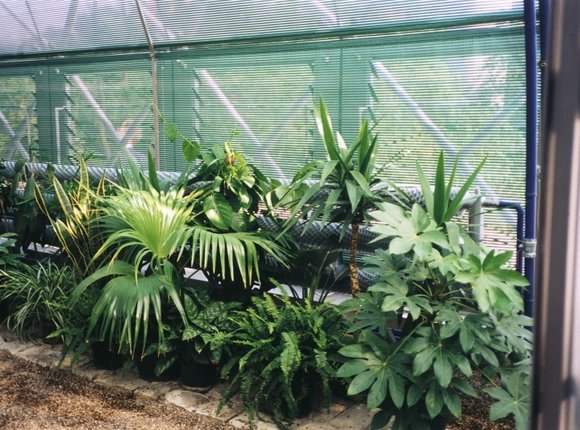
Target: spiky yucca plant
{"points": [[344, 191]]}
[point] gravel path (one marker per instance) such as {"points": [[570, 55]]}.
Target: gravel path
{"points": [[35, 397]]}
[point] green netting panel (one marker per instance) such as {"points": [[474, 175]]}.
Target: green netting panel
{"points": [[262, 102], [459, 96], [203, 21], [18, 132], [428, 75], [109, 114], [41, 26]]}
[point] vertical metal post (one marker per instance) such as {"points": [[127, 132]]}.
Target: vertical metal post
{"points": [[556, 372], [531, 148], [154, 87]]}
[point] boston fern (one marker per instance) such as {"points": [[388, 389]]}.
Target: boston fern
{"points": [[282, 352], [454, 309]]}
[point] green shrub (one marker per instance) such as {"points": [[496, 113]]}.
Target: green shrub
{"points": [[457, 309], [282, 353]]}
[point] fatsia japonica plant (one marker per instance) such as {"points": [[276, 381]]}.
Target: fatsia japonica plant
{"points": [[442, 308]]}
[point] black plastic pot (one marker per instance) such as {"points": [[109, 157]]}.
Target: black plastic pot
{"points": [[146, 369], [104, 358], [198, 375]]}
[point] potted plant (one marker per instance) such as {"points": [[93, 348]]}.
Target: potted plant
{"points": [[282, 354], [201, 346], [458, 310]]}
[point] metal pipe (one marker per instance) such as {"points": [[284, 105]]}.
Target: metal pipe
{"points": [[531, 140], [154, 87], [544, 15], [518, 208]]}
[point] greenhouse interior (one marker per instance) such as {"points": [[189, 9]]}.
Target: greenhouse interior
{"points": [[305, 203]]}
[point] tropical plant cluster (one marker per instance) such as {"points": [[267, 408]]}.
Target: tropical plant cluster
{"points": [[171, 276]]}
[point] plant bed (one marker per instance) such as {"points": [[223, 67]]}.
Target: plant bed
{"points": [[476, 411]]}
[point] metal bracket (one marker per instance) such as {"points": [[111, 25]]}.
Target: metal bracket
{"points": [[530, 246]]}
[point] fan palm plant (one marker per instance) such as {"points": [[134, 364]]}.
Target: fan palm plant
{"points": [[344, 193], [150, 236]]}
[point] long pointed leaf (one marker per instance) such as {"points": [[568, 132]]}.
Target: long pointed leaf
{"points": [[440, 198], [425, 188], [455, 204]]}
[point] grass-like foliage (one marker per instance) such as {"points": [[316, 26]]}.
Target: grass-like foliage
{"points": [[37, 298], [282, 352]]}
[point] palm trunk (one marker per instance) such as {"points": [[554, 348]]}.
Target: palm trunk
{"points": [[353, 269]]}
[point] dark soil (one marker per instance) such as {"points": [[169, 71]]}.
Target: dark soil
{"points": [[475, 412], [35, 397]]}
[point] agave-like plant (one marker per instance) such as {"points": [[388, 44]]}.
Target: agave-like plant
{"points": [[76, 231], [344, 193]]}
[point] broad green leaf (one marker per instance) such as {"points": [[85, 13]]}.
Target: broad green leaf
{"points": [[153, 178], [191, 150], [442, 367], [381, 419], [351, 368], [354, 194], [513, 399], [440, 196], [362, 183], [452, 402], [378, 390], [361, 382], [457, 201], [218, 211], [171, 131], [426, 189], [434, 401]]}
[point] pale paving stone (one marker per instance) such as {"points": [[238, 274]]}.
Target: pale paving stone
{"points": [[147, 393], [44, 355], [329, 412], [187, 400], [107, 379], [313, 425], [131, 383], [125, 382], [89, 372], [67, 362], [356, 417], [230, 410], [12, 347], [162, 388], [216, 393], [242, 421]]}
